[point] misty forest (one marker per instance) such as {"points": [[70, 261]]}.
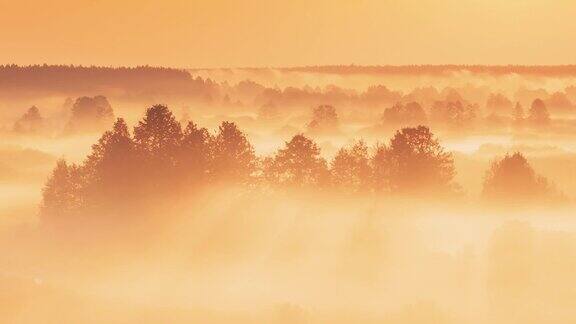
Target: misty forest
{"points": [[322, 194]]}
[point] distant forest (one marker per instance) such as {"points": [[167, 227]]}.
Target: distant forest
{"points": [[127, 81], [543, 70]]}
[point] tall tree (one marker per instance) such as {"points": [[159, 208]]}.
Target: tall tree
{"points": [[196, 153], [351, 168], [233, 155], [157, 140], [297, 164], [512, 179], [90, 113], [324, 119], [414, 161], [111, 167], [538, 114], [62, 195], [30, 122], [158, 135], [405, 114]]}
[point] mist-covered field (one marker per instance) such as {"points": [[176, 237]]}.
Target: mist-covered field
{"points": [[294, 195]]}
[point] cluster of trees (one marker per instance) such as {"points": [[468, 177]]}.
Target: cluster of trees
{"points": [[87, 114], [324, 120], [512, 180], [90, 113], [460, 114], [30, 123], [161, 157]]}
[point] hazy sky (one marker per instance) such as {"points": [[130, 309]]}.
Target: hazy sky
{"points": [[236, 33]]}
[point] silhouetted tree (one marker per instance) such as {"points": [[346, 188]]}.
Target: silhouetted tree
{"points": [[157, 140], [512, 179], [62, 195], [31, 122], [111, 167], [324, 119], [196, 154], [233, 155], [379, 95], [298, 164], [90, 114], [413, 162], [405, 114], [454, 113], [351, 168], [538, 114], [158, 136]]}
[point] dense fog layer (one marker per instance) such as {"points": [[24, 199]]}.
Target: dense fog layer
{"points": [[287, 196]]}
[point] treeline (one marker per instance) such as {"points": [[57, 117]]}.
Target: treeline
{"points": [[70, 79], [544, 70], [161, 158], [154, 83]]}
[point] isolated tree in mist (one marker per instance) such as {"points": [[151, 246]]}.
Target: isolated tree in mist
{"points": [[90, 113], [233, 155], [195, 153], [512, 179], [62, 195], [351, 169], [454, 113], [324, 119], [538, 113], [414, 161], [405, 114], [499, 104], [30, 122], [297, 164]]}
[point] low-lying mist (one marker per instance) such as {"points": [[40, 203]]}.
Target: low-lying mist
{"points": [[234, 255], [304, 195]]}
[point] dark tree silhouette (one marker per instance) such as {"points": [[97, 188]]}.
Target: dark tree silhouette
{"points": [[233, 155], [512, 179], [538, 114], [405, 114], [158, 135], [413, 162], [324, 119], [351, 168], [454, 113], [31, 122], [90, 114], [298, 164], [111, 167], [157, 139], [62, 195], [195, 154]]}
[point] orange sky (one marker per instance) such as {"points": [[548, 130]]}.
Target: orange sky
{"points": [[223, 33]]}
